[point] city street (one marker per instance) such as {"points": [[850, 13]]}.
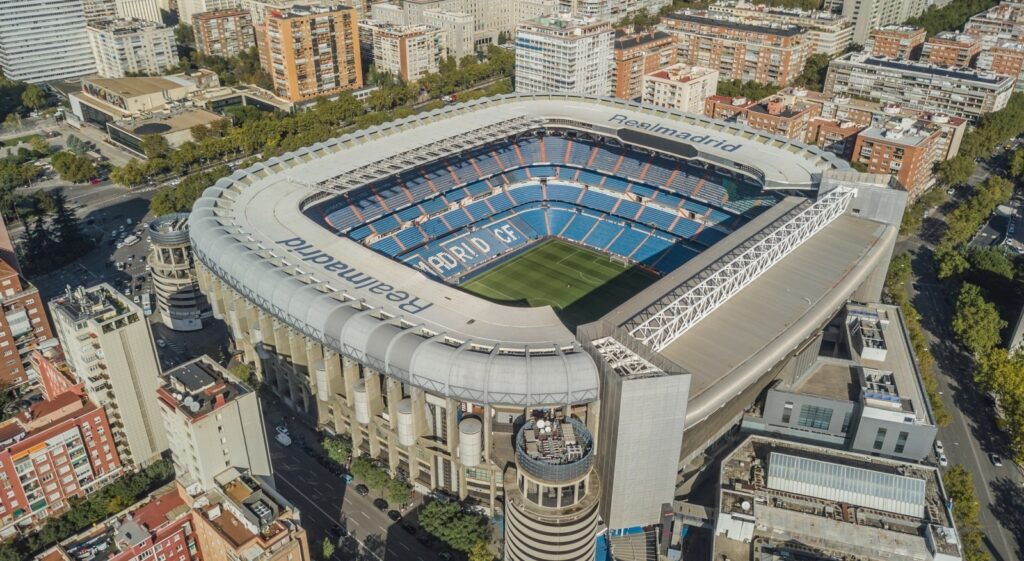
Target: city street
{"points": [[971, 435], [324, 500]]}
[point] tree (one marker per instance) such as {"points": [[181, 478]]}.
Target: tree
{"points": [[12, 121], [459, 530], [39, 146], [339, 451], [183, 35], [399, 492], [76, 146], [976, 321], [326, 549], [154, 146], [480, 552], [377, 479], [959, 486], [750, 90], [72, 167], [956, 170], [33, 97], [813, 75], [1017, 164], [131, 174]]}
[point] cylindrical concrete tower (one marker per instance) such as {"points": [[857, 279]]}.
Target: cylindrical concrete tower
{"points": [[178, 301], [551, 502]]}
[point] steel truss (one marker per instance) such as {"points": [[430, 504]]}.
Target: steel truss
{"points": [[661, 324], [421, 155], [624, 361]]}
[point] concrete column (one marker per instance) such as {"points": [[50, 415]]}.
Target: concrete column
{"points": [[350, 370], [487, 434]]}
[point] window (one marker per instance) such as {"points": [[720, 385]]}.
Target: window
{"points": [[846, 421], [880, 439], [787, 412], [814, 417], [901, 442]]}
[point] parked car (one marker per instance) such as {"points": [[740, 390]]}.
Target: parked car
{"points": [[943, 461], [996, 460], [939, 449], [394, 515], [362, 490], [283, 439], [338, 531], [409, 528], [281, 429], [381, 504]]}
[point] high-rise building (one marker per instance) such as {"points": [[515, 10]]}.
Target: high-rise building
{"points": [[99, 9], [109, 346], [997, 24], [23, 325], [406, 51], [873, 14], [1007, 59], [189, 8], [563, 54], [314, 51], [457, 28], [739, 50], [178, 301], [949, 48], [919, 86], [55, 451], [896, 41], [680, 87], [612, 10], [213, 424], [39, 45], [131, 46], [147, 10], [828, 32], [552, 495], [638, 54], [905, 148], [225, 33]]}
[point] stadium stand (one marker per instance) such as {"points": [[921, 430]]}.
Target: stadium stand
{"points": [[651, 210]]}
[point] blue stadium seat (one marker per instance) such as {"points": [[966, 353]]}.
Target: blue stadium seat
{"points": [[642, 190], [455, 195], [558, 218], [535, 219], [360, 233], [615, 183], [628, 209], [631, 166], [542, 171], [500, 202], [478, 188], [564, 193], [710, 236], [410, 237], [651, 249], [627, 242], [433, 206], [598, 201], [657, 217], [685, 228], [674, 257], [523, 195], [409, 213], [387, 245], [603, 234], [456, 218], [385, 224], [589, 178], [478, 210], [580, 226], [554, 148]]}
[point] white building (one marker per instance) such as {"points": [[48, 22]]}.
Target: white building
{"points": [[681, 87], [213, 423], [99, 9], [829, 33], [458, 27], [109, 346], [611, 9], [37, 45], [147, 10], [189, 8], [870, 14], [123, 46], [564, 54], [406, 51]]}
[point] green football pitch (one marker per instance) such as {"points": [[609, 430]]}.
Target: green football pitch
{"points": [[580, 284]]}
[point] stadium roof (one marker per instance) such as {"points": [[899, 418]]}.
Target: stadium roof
{"points": [[250, 230], [847, 484]]}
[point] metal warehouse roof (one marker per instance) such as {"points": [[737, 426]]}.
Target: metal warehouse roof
{"points": [[847, 484]]}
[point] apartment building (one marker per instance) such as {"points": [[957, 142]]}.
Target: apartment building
{"points": [[896, 41], [680, 87], [1007, 58], [406, 51], [612, 10], [223, 33], [919, 86], [739, 50], [23, 325], [147, 10], [38, 45], [833, 135], [189, 8], [457, 28], [949, 48], [868, 15], [638, 54], [997, 24], [564, 54], [905, 148], [245, 518], [109, 346], [213, 424], [773, 115], [99, 9], [55, 451], [828, 32], [131, 46], [314, 51]]}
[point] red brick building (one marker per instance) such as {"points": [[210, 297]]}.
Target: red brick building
{"points": [[23, 324], [1007, 59], [906, 148], [56, 450], [223, 33], [773, 115], [769, 54], [161, 529], [639, 54], [896, 41], [55, 376], [951, 49], [835, 136]]}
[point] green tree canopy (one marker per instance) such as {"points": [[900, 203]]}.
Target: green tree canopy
{"points": [[33, 97], [976, 321], [448, 523], [72, 167], [155, 146]]}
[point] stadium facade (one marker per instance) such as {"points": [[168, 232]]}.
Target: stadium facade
{"points": [[338, 269]]}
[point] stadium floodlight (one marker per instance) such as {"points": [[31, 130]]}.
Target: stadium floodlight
{"points": [[664, 323]]}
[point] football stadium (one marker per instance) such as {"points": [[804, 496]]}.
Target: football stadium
{"points": [[551, 305]]}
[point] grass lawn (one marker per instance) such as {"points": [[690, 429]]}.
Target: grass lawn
{"points": [[18, 140], [580, 284]]}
